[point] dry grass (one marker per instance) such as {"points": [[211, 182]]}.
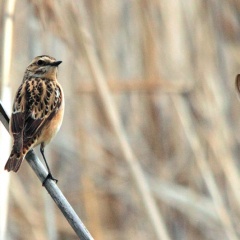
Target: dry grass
{"points": [[149, 82]]}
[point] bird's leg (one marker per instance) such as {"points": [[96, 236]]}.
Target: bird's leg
{"points": [[49, 176]]}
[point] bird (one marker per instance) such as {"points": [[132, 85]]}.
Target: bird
{"points": [[37, 111], [237, 83]]}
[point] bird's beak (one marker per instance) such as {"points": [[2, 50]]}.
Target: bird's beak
{"points": [[55, 64]]}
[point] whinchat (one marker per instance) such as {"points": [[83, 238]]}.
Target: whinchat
{"points": [[37, 111]]}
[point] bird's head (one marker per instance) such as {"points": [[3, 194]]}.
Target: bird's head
{"points": [[42, 66]]}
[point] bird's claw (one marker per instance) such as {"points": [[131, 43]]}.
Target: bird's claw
{"points": [[49, 176]]}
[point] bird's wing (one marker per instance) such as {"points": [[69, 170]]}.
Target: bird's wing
{"points": [[17, 120], [37, 103]]}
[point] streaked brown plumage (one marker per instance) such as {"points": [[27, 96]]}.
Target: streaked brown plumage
{"points": [[37, 110]]}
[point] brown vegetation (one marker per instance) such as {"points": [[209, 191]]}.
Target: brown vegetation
{"points": [[149, 88]]}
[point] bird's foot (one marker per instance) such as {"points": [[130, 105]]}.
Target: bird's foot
{"points": [[49, 176]]}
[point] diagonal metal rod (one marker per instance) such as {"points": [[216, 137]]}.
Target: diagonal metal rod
{"points": [[4, 117], [52, 188]]}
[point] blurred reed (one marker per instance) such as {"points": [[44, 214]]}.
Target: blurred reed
{"points": [[169, 67]]}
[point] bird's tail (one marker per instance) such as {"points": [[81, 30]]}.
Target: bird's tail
{"points": [[14, 161]]}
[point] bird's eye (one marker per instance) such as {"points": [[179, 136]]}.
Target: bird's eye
{"points": [[40, 62]]}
